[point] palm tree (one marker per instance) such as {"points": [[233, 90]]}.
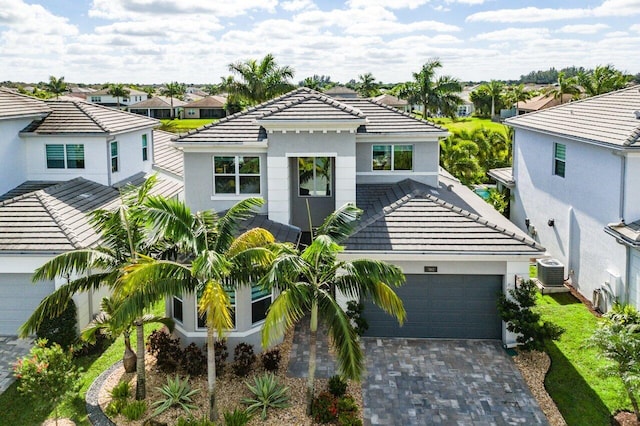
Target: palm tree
{"points": [[565, 85], [215, 262], [459, 156], [516, 94], [105, 323], [602, 79], [260, 81], [434, 94], [367, 86], [306, 282], [119, 91], [494, 89], [174, 90], [57, 86], [122, 237]]}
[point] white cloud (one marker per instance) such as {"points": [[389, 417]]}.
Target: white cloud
{"points": [[614, 34], [635, 27], [583, 29], [394, 4], [131, 9], [470, 2], [33, 18], [512, 34], [296, 5]]}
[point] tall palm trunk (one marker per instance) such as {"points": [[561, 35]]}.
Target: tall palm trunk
{"points": [[141, 385], [211, 374], [493, 106], [312, 355], [173, 112]]}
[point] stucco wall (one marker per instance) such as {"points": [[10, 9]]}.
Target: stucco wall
{"points": [[632, 195], [425, 163], [130, 151], [581, 204], [13, 169]]}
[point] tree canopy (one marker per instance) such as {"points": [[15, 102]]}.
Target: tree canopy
{"points": [[259, 81]]}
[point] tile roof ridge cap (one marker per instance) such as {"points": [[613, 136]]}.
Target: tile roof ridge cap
{"points": [[390, 208], [44, 199], [633, 137], [404, 113], [90, 115], [33, 193]]}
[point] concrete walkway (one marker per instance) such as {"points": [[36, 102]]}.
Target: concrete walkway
{"points": [[425, 382], [11, 348]]}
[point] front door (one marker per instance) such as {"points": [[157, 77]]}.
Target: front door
{"points": [[312, 190]]}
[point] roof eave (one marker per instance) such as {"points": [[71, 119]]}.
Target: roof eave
{"points": [[28, 115], [570, 137]]}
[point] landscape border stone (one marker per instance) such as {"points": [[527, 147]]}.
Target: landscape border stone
{"points": [[94, 412]]}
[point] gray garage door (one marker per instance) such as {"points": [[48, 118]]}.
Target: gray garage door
{"points": [[18, 299], [443, 306]]}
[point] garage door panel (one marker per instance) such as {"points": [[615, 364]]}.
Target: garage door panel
{"points": [[18, 299], [443, 306]]}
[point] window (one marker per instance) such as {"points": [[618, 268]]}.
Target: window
{"points": [[114, 156], [314, 176], [176, 310], [202, 319], [559, 159], [145, 148], [61, 156], [191, 112], [392, 157], [96, 99], [236, 175], [260, 302]]}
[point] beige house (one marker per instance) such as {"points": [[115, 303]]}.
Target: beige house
{"points": [[208, 107]]}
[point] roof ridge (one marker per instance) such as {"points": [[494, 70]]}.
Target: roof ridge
{"points": [[317, 96], [91, 116], [388, 208], [32, 193], [633, 137], [43, 197], [404, 113]]}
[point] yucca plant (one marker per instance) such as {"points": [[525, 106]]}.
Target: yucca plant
{"points": [[134, 410], [268, 394], [177, 393], [236, 418]]}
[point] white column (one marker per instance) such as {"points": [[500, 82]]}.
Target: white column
{"points": [[345, 180], [278, 189]]}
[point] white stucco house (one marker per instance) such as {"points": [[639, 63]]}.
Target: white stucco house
{"points": [[576, 168], [457, 252], [61, 160], [102, 97]]}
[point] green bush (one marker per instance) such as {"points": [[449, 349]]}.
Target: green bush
{"points": [[121, 391], [176, 393], [236, 418], [337, 386], [115, 407], [194, 422], [268, 393], [62, 329], [134, 410], [348, 412], [324, 408], [354, 313]]}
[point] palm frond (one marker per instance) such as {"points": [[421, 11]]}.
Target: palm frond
{"points": [[285, 270], [150, 318], [215, 303], [228, 224], [284, 312], [73, 262], [211, 265], [170, 219], [360, 277], [256, 237], [340, 224]]}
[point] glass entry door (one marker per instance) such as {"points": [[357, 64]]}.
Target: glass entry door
{"points": [[313, 183]]}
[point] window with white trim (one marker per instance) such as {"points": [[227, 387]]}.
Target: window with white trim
{"points": [[145, 148], [260, 303], [236, 175], [314, 176], [176, 309], [559, 159], [60, 156], [96, 99], [392, 157], [114, 156], [201, 320]]}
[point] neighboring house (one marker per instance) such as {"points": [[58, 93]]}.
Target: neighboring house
{"points": [[102, 97], [207, 107], [157, 107], [392, 101], [308, 149], [68, 159], [576, 169], [540, 102], [341, 92], [466, 108]]}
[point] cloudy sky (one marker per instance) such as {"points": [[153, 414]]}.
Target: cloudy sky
{"points": [[193, 41]]}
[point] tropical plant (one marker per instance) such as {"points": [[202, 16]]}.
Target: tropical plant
{"points": [[337, 386], [105, 324], [191, 421], [495, 90], [177, 393], [122, 237], [271, 359], [57, 86], [47, 374], [516, 94], [498, 200], [317, 82], [121, 391], [602, 79], [367, 86], [236, 417], [434, 94], [306, 282], [134, 410], [243, 359], [61, 329], [517, 311], [324, 408], [215, 261], [259, 81], [618, 339], [174, 90], [459, 156], [267, 393], [565, 86], [118, 91], [354, 312]]}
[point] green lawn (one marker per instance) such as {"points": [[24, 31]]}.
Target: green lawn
{"points": [[184, 125], [469, 124], [19, 410], [583, 395]]}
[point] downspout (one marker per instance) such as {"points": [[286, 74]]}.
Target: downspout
{"points": [[623, 180]]}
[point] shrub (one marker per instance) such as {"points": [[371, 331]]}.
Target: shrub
{"points": [[268, 393], [176, 393], [517, 312], [349, 418], [115, 407], [236, 418], [271, 360], [194, 422], [347, 403], [61, 329], [354, 313], [134, 410], [166, 350], [243, 359], [222, 354], [121, 391], [337, 386], [194, 361], [324, 408]]}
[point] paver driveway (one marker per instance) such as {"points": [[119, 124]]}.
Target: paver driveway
{"points": [[447, 382]]}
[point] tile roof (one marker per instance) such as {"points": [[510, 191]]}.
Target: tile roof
{"points": [[165, 156], [339, 91], [628, 233], [157, 102], [610, 119], [282, 232], [242, 127], [55, 219], [313, 107], [105, 91], [16, 105], [503, 175], [26, 187], [390, 100], [410, 216], [542, 101], [69, 117], [207, 102]]}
